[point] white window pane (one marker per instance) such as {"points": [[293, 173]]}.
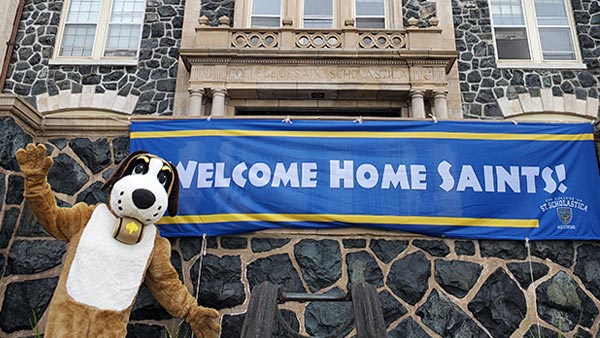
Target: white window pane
{"points": [[78, 40], [370, 22], [266, 7], [258, 21], [512, 44], [370, 8], [128, 11], [557, 44], [123, 40], [318, 8], [507, 13], [551, 12], [318, 23], [84, 11]]}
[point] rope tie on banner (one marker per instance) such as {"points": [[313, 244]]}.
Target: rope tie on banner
{"points": [[287, 120], [537, 318], [359, 120], [200, 263], [435, 120], [514, 122], [209, 118]]}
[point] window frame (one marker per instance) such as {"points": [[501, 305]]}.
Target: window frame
{"points": [[534, 41], [251, 15], [386, 15], [100, 40], [343, 10]]}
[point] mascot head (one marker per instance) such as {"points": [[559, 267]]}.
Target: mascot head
{"points": [[143, 188]]}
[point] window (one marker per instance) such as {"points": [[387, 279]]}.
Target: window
{"points": [[266, 13], [318, 14], [534, 31], [370, 13], [101, 29]]}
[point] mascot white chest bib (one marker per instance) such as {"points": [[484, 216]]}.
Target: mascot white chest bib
{"points": [[106, 273]]}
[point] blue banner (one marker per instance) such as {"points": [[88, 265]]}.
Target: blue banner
{"points": [[480, 180]]}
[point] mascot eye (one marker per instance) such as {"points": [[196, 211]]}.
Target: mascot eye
{"points": [[163, 178], [140, 168]]}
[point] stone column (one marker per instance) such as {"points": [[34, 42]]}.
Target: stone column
{"points": [[440, 103], [195, 105], [218, 102], [417, 103]]}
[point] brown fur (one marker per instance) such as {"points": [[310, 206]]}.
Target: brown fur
{"points": [[69, 319]]}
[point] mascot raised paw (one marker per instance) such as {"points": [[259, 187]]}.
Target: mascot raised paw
{"points": [[113, 249]]}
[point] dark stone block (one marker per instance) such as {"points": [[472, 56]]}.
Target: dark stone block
{"points": [[560, 252], [563, 304], [567, 87], [587, 267], [290, 320], [277, 269], [29, 226], [457, 277], [145, 108], [408, 277], [503, 249], [447, 319], [27, 257], [120, 148], [474, 77], [9, 223], [359, 264], [408, 328], [434, 248], [533, 80], [66, 175], [485, 96], [354, 243], [167, 11], [323, 318], [392, 309], [146, 307], [93, 194], [91, 79], [12, 138], [145, 331], [466, 248], [320, 262], [16, 186], [234, 243], [113, 76], [231, 326], [386, 250], [2, 190], [535, 331], [39, 87], [586, 79], [220, 283], [166, 85], [191, 246], [492, 110], [581, 333], [499, 305], [24, 299], [522, 272], [267, 244]]}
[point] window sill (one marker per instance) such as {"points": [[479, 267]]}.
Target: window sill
{"points": [[93, 62], [532, 65]]}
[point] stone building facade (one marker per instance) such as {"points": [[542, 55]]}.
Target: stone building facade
{"points": [[428, 287]]}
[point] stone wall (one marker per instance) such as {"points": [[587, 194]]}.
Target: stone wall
{"points": [[482, 84], [152, 79], [428, 287]]}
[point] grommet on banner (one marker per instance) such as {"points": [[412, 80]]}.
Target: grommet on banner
{"points": [[435, 120], [209, 118], [593, 122], [287, 120], [514, 122], [359, 120]]}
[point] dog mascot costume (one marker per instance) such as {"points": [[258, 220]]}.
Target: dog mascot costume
{"points": [[112, 249]]}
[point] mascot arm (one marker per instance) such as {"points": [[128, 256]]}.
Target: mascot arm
{"points": [[164, 283], [62, 223]]}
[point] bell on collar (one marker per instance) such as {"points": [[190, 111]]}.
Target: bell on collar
{"points": [[128, 230]]}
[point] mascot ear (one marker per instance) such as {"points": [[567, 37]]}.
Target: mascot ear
{"points": [[174, 195], [121, 170]]}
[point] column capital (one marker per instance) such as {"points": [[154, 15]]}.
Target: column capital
{"points": [[440, 93], [195, 90], [417, 93], [219, 91]]}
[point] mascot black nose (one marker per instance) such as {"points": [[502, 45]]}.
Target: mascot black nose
{"points": [[143, 198]]}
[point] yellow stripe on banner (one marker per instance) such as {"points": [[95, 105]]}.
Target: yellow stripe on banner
{"points": [[358, 219], [362, 134]]}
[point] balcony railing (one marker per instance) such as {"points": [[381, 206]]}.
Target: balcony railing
{"points": [[289, 38]]}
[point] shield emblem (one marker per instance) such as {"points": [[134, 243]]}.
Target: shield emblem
{"points": [[565, 215]]}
